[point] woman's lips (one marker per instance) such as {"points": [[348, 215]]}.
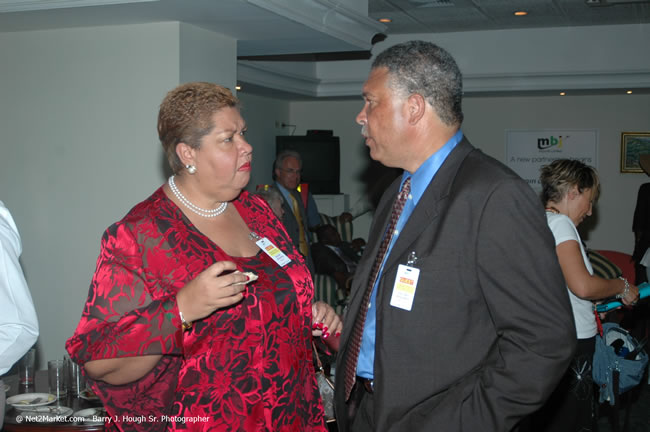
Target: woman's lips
{"points": [[245, 167]]}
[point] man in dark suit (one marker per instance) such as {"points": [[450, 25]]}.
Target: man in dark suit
{"points": [[469, 326], [641, 223], [298, 218]]}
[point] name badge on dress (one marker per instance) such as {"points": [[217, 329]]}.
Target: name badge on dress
{"points": [[273, 252], [406, 282]]}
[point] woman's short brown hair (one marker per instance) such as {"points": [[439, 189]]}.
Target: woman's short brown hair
{"points": [[186, 116], [561, 175]]}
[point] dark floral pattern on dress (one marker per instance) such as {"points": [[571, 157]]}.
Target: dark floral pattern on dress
{"points": [[247, 367]]}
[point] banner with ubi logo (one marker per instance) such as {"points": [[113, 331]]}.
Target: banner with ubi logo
{"points": [[528, 150]]}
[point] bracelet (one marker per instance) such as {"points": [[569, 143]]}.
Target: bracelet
{"points": [[626, 289], [185, 324]]}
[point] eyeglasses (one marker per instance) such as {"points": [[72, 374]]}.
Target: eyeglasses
{"points": [[291, 171]]}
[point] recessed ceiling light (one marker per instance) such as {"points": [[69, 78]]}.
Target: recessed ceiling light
{"points": [[237, 87], [520, 13], [385, 20], [562, 94], [629, 92]]}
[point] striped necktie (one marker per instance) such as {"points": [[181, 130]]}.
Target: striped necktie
{"points": [[357, 330]]}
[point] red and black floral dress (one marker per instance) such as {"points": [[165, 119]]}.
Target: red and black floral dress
{"points": [[247, 367]]}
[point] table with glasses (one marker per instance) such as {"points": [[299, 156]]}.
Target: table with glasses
{"points": [[84, 413]]}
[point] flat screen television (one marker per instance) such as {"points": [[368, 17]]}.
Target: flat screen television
{"points": [[320, 160]]}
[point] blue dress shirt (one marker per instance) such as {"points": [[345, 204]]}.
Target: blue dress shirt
{"points": [[420, 180], [284, 191]]}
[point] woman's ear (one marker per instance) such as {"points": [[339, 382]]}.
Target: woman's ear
{"points": [[186, 154], [573, 192]]}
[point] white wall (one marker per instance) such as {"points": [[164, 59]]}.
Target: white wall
{"points": [[79, 145], [207, 56], [261, 114], [487, 118]]}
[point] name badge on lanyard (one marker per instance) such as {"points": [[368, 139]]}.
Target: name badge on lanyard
{"points": [[406, 282], [273, 252]]}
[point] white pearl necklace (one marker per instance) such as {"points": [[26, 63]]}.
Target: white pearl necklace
{"points": [[195, 209]]}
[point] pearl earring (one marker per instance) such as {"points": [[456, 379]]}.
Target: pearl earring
{"points": [[190, 169]]}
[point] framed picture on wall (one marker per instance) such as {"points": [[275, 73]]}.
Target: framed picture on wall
{"points": [[633, 144]]}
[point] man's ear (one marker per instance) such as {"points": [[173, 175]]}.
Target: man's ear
{"points": [[416, 106], [186, 154]]}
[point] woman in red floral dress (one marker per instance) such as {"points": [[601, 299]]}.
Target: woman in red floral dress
{"points": [[174, 335]]}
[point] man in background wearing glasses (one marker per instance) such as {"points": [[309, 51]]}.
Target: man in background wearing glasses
{"points": [[298, 218]]}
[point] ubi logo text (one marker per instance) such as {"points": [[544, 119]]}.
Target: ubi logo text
{"points": [[547, 143]]}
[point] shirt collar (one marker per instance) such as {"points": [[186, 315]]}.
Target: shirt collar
{"points": [[421, 178], [284, 191]]}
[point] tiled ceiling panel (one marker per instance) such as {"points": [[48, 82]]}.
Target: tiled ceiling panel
{"points": [[411, 16]]}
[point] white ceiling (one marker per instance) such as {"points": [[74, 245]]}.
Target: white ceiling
{"points": [[271, 27]]}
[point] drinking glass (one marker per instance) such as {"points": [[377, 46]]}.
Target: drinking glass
{"points": [[56, 374], [76, 382], [26, 368]]}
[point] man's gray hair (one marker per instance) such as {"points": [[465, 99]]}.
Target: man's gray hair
{"points": [[283, 155], [428, 70]]}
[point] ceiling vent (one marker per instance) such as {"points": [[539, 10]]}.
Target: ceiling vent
{"points": [[432, 3]]}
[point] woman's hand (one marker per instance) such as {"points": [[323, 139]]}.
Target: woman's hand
{"points": [[325, 321], [211, 290], [632, 296]]}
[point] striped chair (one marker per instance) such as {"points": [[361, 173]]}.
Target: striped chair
{"points": [[326, 289], [622, 261], [344, 228], [603, 266]]}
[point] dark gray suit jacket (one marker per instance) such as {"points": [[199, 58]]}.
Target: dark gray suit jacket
{"points": [[491, 330], [291, 225]]}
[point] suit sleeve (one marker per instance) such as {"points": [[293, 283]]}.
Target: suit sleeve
{"points": [[641, 213], [527, 299], [640, 222]]}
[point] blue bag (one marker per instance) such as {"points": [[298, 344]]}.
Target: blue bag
{"points": [[606, 361]]}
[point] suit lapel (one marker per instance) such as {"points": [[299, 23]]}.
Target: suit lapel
{"points": [[289, 220], [430, 206]]}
